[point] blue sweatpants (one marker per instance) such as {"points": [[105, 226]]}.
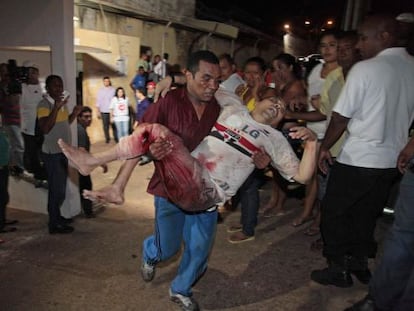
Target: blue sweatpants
{"points": [[174, 226]]}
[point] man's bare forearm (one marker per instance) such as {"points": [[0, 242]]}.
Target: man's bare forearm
{"points": [[336, 128]]}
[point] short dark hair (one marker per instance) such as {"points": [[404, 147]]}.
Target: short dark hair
{"points": [[85, 109], [202, 55], [258, 61], [141, 90], [228, 58], [50, 78], [349, 35]]}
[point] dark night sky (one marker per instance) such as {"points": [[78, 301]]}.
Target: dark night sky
{"points": [[272, 14]]}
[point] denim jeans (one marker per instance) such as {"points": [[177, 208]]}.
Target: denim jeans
{"points": [[392, 285], [105, 124], [57, 172], [174, 226], [248, 196], [16, 145], [122, 128]]}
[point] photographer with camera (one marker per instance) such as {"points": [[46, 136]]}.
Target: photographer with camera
{"points": [[30, 98], [10, 90]]}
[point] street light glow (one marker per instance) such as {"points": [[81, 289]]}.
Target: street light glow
{"points": [[286, 26]]}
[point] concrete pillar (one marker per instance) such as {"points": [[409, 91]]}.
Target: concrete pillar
{"points": [[43, 23]]}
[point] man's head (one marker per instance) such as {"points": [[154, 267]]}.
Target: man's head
{"points": [[270, 109], [106, 81], [156, 59], [227, 66], [33, 75], [85, 116], [54, 86], [32, 72], [141, 70], [203, 76], [376, 33], [140, 93], [348, 54]]}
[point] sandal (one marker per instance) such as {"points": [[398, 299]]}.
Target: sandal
{"points": [[240, 237], [301, 221], [311, 231]]}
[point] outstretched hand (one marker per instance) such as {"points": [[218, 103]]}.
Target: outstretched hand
{"points": [[303, 133], [162, 88]]}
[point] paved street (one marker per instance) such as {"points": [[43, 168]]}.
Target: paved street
{"points": [[97, 267]]}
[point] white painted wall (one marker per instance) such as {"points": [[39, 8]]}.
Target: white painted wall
{"points": [[43, 23]]}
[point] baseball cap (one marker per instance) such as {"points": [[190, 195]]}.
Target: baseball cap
{"points": [[29, 63]]}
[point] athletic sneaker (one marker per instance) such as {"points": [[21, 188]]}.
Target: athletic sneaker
{"points": [[186, 303], [147, 271]]}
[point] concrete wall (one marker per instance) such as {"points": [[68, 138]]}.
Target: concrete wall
{"points": [[43, 23]]}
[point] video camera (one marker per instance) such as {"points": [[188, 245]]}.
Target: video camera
{"points": [[17, 75]]}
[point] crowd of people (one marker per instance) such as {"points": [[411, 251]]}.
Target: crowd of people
{"points": [[342, 129], [32, 118]]}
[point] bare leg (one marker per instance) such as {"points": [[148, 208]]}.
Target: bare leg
{"points": [[310, 199], [114, 193], [277, 201], [130, 146], [273, 197], [85, 162]]}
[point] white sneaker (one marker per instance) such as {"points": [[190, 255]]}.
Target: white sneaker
{"points": [[147, 271], [186, 303]]}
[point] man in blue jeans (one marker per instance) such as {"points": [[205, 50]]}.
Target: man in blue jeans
{"points": [[54, 121], [392, 285]]}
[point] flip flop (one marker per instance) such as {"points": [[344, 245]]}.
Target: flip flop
{"points": [[298, 223]]}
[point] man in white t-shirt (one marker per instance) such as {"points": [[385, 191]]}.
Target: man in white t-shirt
{"points": [[376, 107], [31, 96]]}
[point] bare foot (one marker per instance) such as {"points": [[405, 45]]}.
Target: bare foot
{"points": [[301, 220], [80, 159], [108, 194], [273, 212]]}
